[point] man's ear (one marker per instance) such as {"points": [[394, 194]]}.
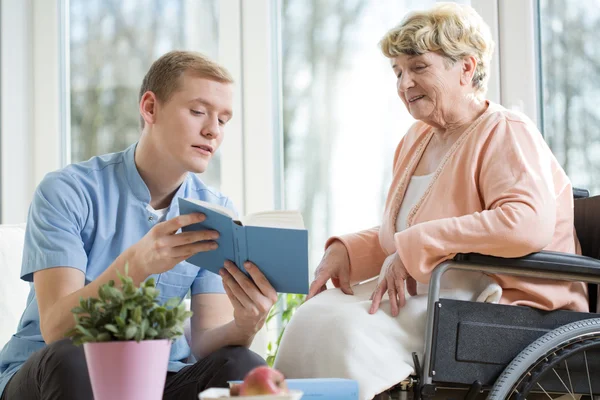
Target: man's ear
{"points": [[469, 64], [148, 104]]}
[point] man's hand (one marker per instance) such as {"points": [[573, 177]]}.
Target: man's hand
{"points": [[162, 247], [252, 299]]}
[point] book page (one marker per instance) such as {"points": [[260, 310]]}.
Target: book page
{"points": [[215, 207], [275, 219]]}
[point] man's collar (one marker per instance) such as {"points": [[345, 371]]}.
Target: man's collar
{"points": [[139, 187], [137, 184]]}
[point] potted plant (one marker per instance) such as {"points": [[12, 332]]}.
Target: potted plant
{"points": [[126, 335]]}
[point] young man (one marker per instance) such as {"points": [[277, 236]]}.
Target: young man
{"points": [[89, 219]]}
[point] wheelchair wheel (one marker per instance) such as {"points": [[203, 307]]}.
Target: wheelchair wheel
{"points": [[565, 361]]}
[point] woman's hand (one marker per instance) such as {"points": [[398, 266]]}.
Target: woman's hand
{"points": [[252, 299], [334, 265], [392, 278]]}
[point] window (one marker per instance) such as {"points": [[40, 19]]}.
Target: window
{"points": [[342, 118], [570, 70], [112, 45]]}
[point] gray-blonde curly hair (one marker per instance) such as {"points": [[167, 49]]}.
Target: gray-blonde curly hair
{"points": [[453, 30]]}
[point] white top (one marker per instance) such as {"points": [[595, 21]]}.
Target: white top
{"points": [[415, 191], [160, 214]]}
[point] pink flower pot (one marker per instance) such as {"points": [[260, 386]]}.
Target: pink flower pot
{"points": [[128, 370]]}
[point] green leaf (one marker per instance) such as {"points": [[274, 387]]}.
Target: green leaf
{"points": [[120, 321], [72, 332], [151, 333], [286, 314], [103, 337], [78, 310], [164, 334], [137, 315], [114, 294], [111, 328], [123, 312], [145, 325], [152, 292], [83, 330], [272, 315], [130, 332], [102, 292], [173, 302], [88, 339], [139, 334], [171, 322]]}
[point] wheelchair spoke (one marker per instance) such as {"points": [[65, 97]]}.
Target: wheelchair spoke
{"points": [[587, 369], [550, 397], [569, 375], [561, 381]]}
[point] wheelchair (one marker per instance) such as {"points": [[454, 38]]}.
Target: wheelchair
{"points": [[477, 350]]}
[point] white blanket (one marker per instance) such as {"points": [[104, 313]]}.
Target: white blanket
{"points": [[334, 336]]}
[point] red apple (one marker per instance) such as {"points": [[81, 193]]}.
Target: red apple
{"points": [[263, 380]]}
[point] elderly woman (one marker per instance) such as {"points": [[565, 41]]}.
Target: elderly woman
{"points": [[468, 176]]}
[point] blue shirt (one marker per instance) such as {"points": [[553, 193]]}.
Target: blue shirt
{"points": [[83, 217]]}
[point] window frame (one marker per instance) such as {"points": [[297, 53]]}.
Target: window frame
{"points": [[1, 93], [519, 81], [16, 92], [249, 43]]}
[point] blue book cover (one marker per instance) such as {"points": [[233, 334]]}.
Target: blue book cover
{"points": [[281, 253], [323, 388]]}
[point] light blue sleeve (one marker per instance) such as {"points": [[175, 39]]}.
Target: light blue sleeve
{"points": [[206, 281], [54, 224]]}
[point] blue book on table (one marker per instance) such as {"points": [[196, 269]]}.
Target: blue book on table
{"points": [[275, 241], [323, 388]]}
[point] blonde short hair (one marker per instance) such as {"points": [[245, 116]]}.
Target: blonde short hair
{"points": [[453, 30], [163, 76]]}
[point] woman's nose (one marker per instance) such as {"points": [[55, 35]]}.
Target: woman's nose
{"points": [[405, 82]]}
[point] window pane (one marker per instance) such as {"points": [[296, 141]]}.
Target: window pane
{"points": [[112, 45], [571, 86], [342, 118]]}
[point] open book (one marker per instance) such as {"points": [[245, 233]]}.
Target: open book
{"points": [[276, 241]]}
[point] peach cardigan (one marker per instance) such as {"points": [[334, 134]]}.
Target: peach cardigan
{"points": [[498, 191]]}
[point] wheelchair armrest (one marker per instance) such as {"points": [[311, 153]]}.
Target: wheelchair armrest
{"points": [[543, 261], [580, 193]]}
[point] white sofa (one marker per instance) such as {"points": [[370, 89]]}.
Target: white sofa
{"points": [[14, 291]]}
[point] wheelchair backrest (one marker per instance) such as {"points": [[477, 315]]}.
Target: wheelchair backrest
{"points": [[587, 227]]}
